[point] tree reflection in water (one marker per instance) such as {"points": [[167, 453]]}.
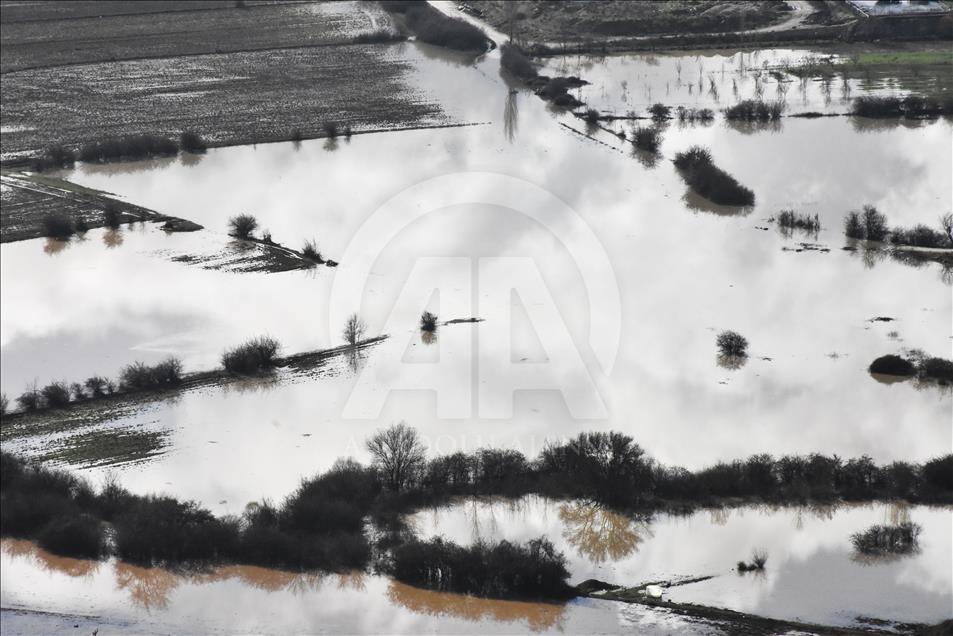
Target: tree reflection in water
{"points": [[599, 534], [538, 616]]}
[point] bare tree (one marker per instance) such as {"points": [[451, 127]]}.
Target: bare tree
{"points": [[398, 454], [354, 329], [946, 222]]}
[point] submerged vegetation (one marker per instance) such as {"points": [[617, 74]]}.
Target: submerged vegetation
{"points": [[513, 59], [791, 220], [732, 343], [883, 540], [691, 115], [754, 110], [909, 106], [502, 570], [428, 321], [647, 139], [702, 175], [758, 560], [868, 224], [926, 369], [871, 224]]}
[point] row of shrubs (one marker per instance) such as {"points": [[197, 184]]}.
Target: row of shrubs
{"points": [[871, 224], [251, 357], [141, 146], [909, 106], [135, 376], [433, 27], [754, 110], [61, 227], [612, 469], [702, 175], [321, 524], [927, 369]]}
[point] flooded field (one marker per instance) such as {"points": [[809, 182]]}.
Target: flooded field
{"points": [[811, 573], [803, 80], [601, 281]]}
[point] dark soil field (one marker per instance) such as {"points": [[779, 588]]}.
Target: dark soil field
{"points": [[75, 72], [580, 20], [227, 98], [25, 200], [43, 34]]}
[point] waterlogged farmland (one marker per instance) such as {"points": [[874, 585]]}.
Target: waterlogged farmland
{"points": [[579, 284]]}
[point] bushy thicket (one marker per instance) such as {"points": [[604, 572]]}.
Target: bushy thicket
{"points": [[754, 110], [919, 236], [869, 224], [433, 27], [516, 62], [501, 570], [192, 142], [57, 226], [253, 356], [242, 226], [691, 115], [927, 369], [731, 343], [793, 220], [909, 106], [128, 147], [648, 139], [319, 526], [54, 157], [883, 540], [139, 375], [428, 321], [710, 181]]}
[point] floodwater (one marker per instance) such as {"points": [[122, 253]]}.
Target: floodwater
{"points": [[602, 282], [811, 573], [119, 597]]}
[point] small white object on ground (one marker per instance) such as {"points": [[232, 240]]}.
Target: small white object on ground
{"points": [[654, 591]]}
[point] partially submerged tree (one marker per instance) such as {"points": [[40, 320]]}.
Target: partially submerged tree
{"points": [[428, 321], [354, 329], [398, 454], [732, 343], [946, 222]]}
